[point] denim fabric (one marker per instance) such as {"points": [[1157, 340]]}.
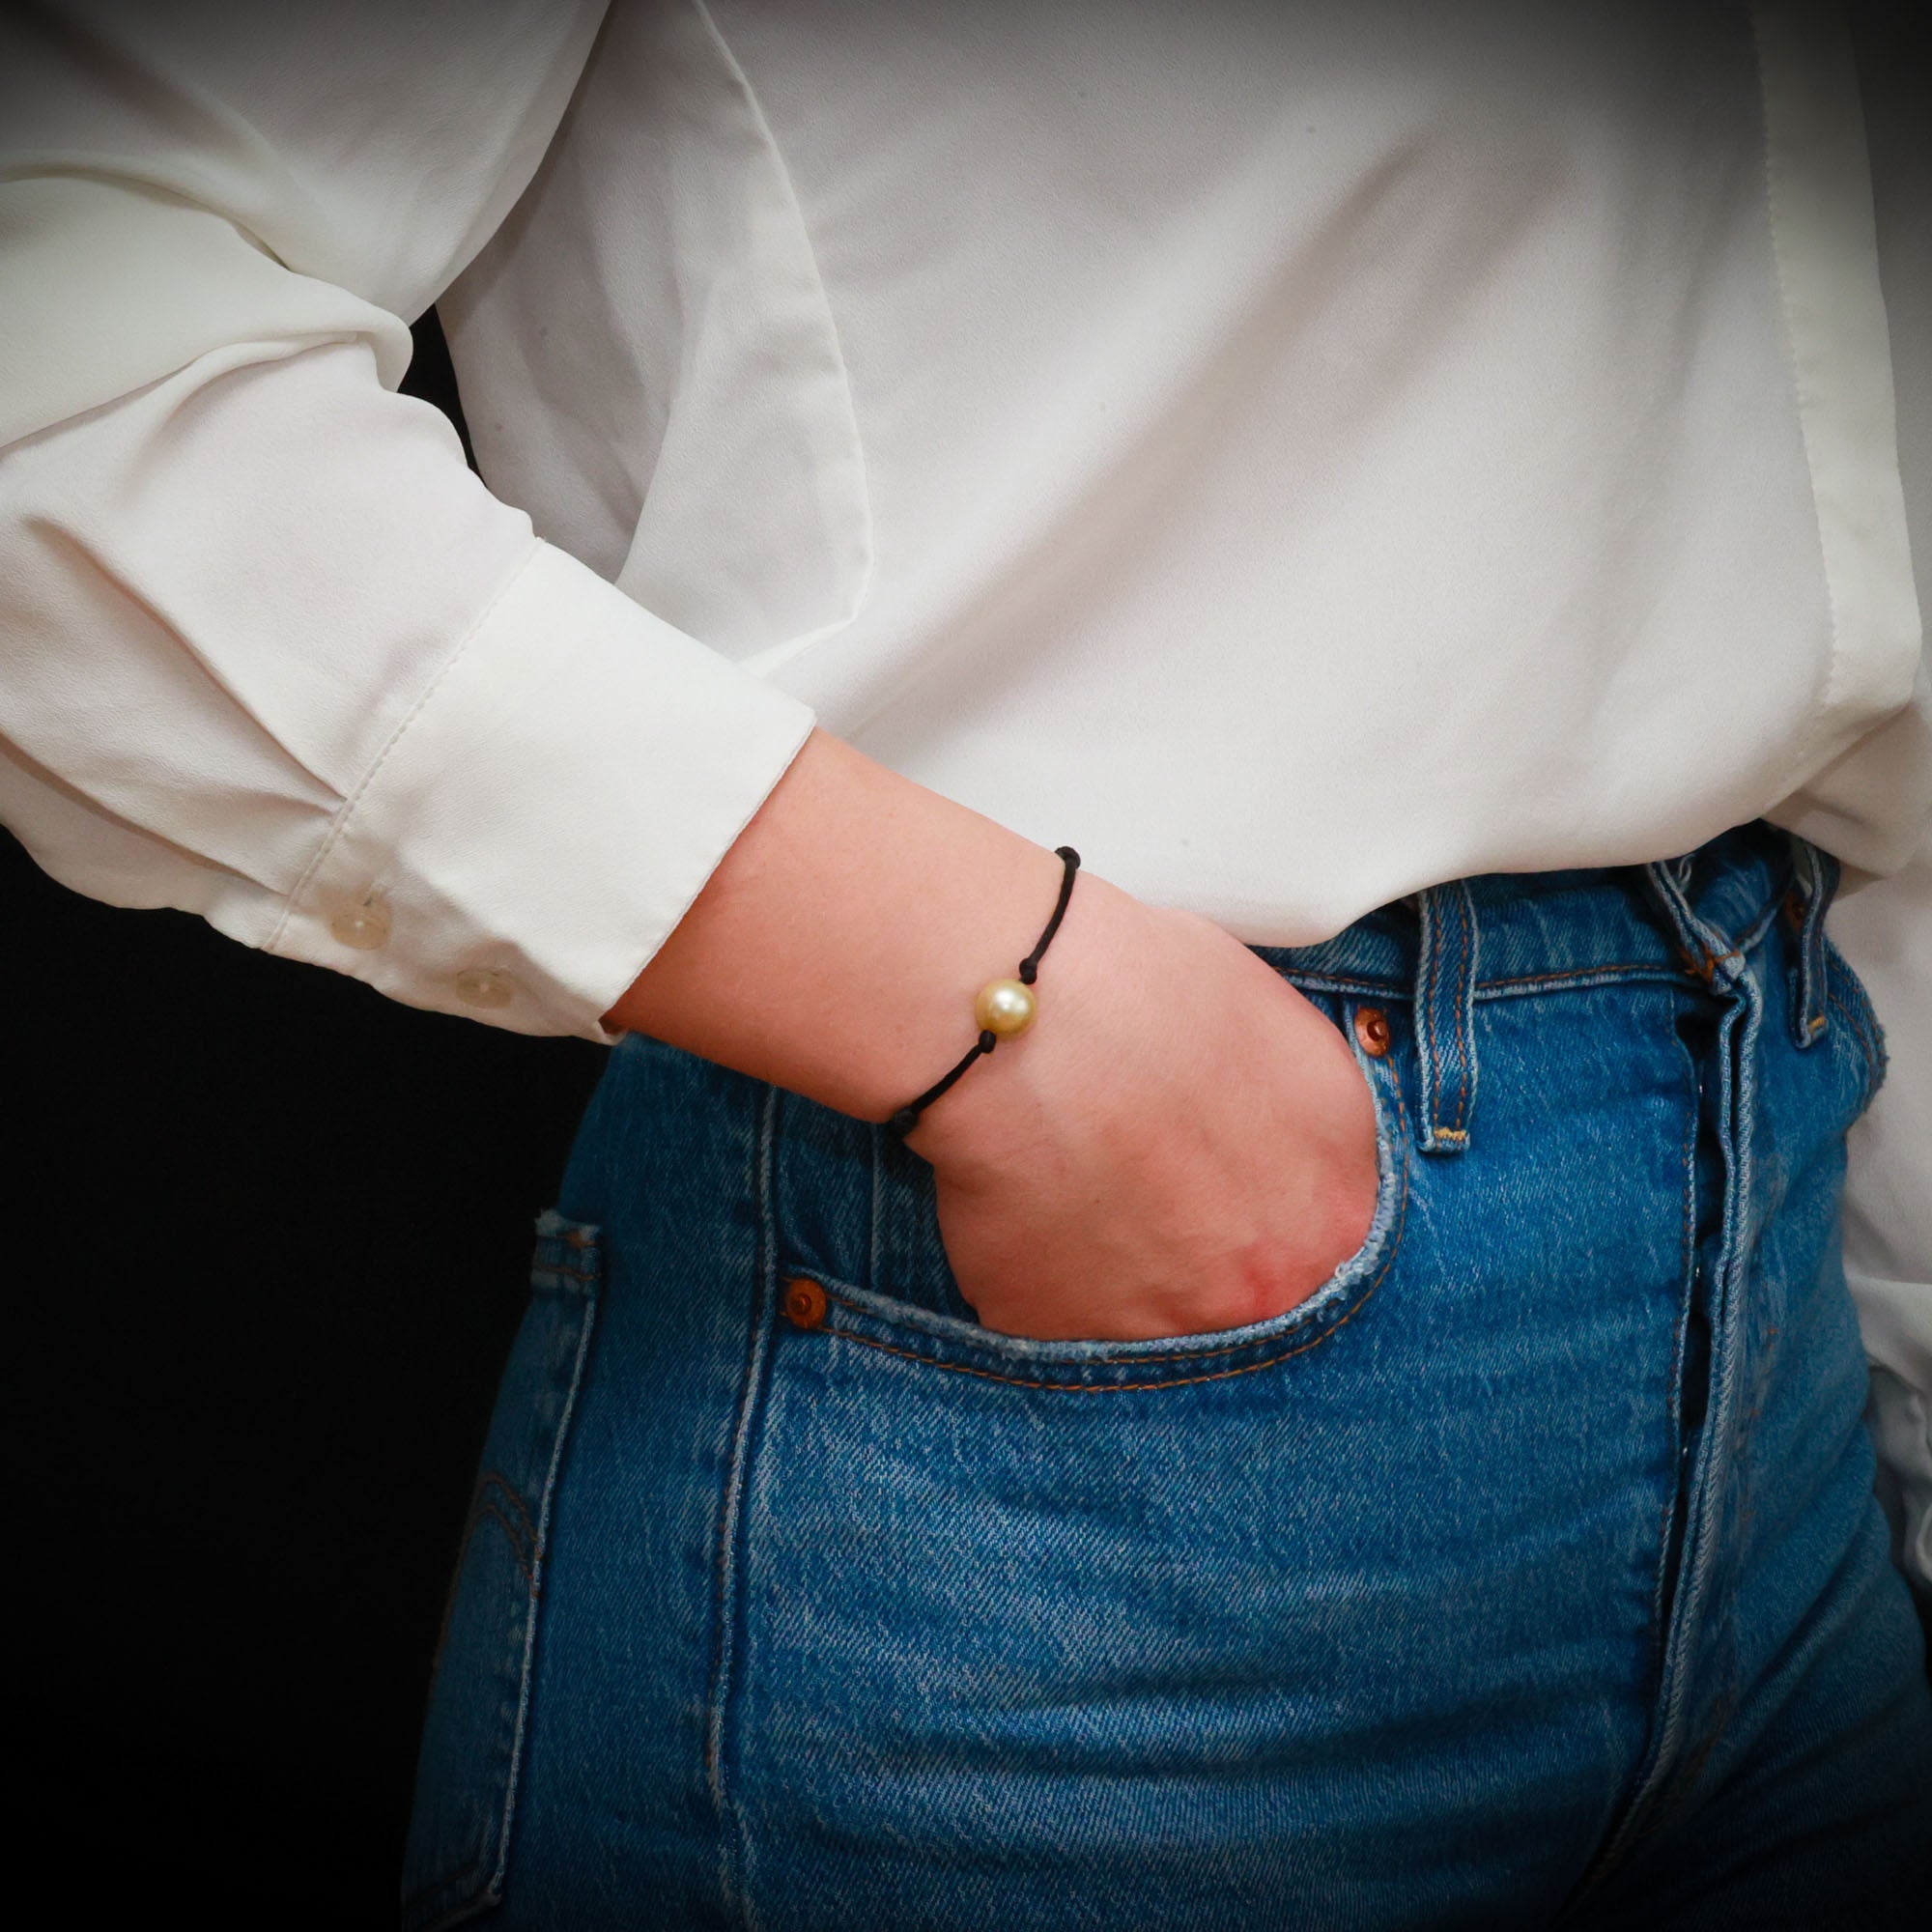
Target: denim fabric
{"points": [[1528, 1573]]}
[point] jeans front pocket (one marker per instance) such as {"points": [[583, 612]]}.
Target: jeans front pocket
{"points": [[900, 1325], [467, 1768]]}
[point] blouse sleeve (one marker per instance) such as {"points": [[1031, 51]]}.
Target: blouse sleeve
{"points": [[273, 655]]}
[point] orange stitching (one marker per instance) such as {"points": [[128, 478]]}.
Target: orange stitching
{"points": [[1106, 1361], [1854, 1019], [1757, 919], [1199, 1355], [486, 1508], [478, 1510], [1351, 982], [1860, 1031], [1580, 972], [496, 1478], [1393, 989], [1865, 1045], [1859, 1012]]}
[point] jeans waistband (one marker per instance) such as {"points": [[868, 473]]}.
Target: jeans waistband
{"points": [[1448, 950], [1501, 935], [1524, 930], [1460, 966]]}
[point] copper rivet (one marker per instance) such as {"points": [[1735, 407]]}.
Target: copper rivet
{"points": [[1372, 1029], [804, 1302], [1794, 912]]}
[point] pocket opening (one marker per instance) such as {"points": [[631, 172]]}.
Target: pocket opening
{"points": [[902, 1328]]}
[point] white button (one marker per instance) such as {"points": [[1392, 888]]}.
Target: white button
{"points": [[364, 928], [479, 986]]}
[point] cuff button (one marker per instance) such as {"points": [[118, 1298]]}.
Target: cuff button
{"points": [[364, 928], [479, 986]]}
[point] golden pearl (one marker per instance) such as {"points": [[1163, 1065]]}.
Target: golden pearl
{"points": [[1005, 1006]]}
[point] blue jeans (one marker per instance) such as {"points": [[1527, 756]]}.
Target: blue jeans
{"points": [[1530, 1573]]}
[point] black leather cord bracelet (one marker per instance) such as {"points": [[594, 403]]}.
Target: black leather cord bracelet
{"points": [[1003, 1008]]}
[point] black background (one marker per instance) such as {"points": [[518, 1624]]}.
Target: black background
{"points": [[270, 1237]]}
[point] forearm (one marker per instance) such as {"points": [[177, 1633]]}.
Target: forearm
{"points": [[836, 949]]}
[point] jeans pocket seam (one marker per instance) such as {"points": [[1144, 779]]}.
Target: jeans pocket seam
{"points": [[1135, 1388], [503, 1689], [1063, 1373]]}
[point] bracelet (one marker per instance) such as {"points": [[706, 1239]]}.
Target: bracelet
{"points": [[1001, 1007]]}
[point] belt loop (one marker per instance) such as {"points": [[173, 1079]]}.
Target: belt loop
{"points": [[1445, 1035], [1804, 909], [1704, 949]]}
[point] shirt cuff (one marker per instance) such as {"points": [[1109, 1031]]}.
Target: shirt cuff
{"points": [[540, 821]]}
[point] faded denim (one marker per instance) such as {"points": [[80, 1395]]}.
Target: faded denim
{"points": [[1530, 1573]]}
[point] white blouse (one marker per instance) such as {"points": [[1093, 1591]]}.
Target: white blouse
{"points": [[1295, 454]]}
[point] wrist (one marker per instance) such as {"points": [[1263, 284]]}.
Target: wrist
{"points": [[1090, 975], [837, 947]]}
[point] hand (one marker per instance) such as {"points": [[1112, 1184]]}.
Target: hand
{"points": [[1180, 1144]]}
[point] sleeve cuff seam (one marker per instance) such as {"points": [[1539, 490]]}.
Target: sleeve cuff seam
{"points": [[350, 803]]}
